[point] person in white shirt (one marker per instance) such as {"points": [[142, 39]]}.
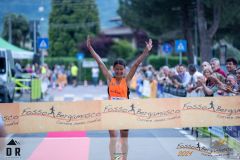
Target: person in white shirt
{"points": [[192, 84], [183, 75]]}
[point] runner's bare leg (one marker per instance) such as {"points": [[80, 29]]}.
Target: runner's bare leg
{"points": [[112, 144], [124, 143]]}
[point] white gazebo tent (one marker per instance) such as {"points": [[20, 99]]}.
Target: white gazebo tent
{"points": [[17, 53]]}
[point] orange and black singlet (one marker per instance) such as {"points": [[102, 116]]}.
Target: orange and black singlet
{"points": [[118, 91]]}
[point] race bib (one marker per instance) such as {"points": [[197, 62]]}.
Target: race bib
{"points": [[118, 98]]}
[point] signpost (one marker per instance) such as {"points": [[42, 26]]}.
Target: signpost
{"points": [[42, 43], [166, 49], [180, 47]]}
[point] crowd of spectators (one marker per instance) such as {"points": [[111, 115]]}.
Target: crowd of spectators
{"points": [[189, 81], [56, 77], [185, 81]]}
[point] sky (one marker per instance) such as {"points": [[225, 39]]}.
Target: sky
{"points": [[40, 10], [107, 10]]}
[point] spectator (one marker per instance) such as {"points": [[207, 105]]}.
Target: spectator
{"points": [[209, 87], [28, 68], [231, 65], [149, 72], [231, 85], [44, 78], [54, 77], [62, 80], [154, 86], [18, 69], [174, 78], [199, 89], [163, 80], [140, 78], [68, 73], [36, 69], [193, 73], [215, 64], [228, 88], [205, 65], [163, 75], [183, 75], [193, 80], [74, 74]]}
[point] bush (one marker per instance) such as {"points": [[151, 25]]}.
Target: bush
{"points": [[159, 61]]}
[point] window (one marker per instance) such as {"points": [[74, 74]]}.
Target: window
{"points": [[2, 65]]}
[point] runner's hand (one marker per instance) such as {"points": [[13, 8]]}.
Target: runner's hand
{"points": [[149, 45]]}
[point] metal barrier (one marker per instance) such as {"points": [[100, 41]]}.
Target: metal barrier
{"points": [[179, 92], [32, 85], [20, 85]]}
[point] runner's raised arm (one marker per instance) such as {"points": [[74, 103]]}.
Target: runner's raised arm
{"points": [[99, 61], [139, 60]]}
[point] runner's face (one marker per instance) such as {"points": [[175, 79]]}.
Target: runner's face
{"points": [[119, 70]]}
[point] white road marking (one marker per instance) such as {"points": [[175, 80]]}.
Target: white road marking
{"points": [[183, 132], [190, 137]]}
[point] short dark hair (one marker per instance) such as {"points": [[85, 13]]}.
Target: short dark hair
{"points": [[182, 65], [233, 60], [192, 68], [119, 61]]}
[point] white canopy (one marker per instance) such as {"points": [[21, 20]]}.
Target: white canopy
{"points": [[17, 53]]}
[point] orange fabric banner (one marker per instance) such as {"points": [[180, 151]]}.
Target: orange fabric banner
{"points": [[122, 114]]}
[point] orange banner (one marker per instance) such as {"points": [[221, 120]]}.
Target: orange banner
{"points": [[122, 114]]}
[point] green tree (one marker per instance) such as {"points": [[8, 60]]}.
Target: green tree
{"points": [[20, 29], [69, 24], [214, 15], [207, 29], [152, 15], [230, 23], [162, 18]]}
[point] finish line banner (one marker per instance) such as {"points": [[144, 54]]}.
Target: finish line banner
{"points": [[122, 114]]}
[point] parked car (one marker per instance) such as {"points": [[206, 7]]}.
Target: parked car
{"points": [[7, 84]]}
